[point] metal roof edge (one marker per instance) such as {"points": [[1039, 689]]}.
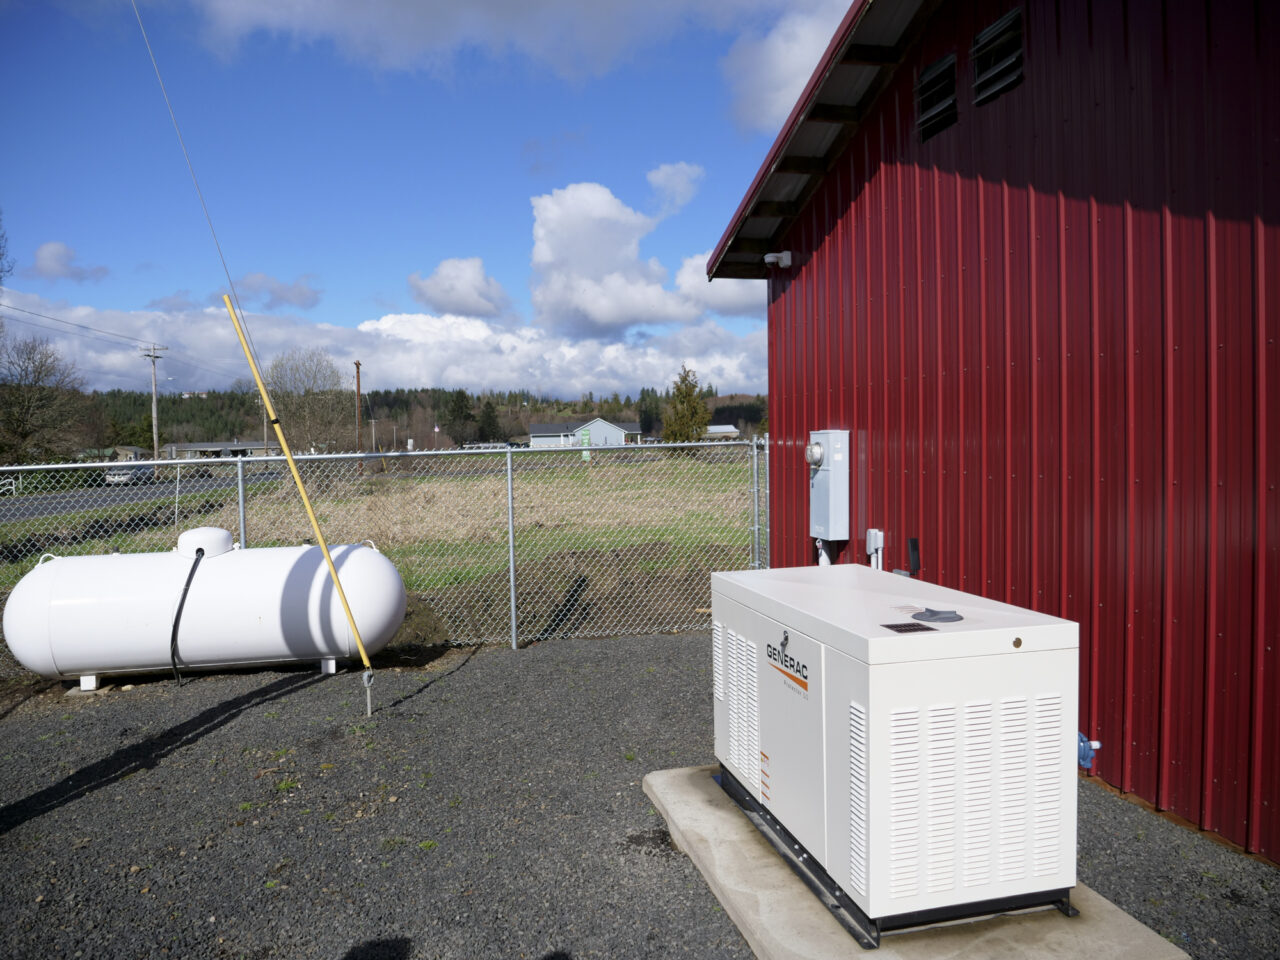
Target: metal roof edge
{"points": [[843, 35]]}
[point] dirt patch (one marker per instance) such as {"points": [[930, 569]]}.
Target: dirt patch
{"points": [[421, 640], [654, 842]]}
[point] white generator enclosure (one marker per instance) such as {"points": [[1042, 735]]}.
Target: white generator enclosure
{"points": [[919, 742]]}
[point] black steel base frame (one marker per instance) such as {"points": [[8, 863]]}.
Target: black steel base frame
{"points": [[847, 913]]}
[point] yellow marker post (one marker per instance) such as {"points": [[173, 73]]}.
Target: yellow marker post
{"points": [[306, 501]]}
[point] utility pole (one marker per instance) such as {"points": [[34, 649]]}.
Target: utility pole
{"points": [[153, 356], [373, 435], [359, 438]]}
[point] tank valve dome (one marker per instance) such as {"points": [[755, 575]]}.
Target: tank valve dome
{"points": [[213, 540]]}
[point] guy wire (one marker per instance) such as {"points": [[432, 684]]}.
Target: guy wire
{"points": [[191, 169]]}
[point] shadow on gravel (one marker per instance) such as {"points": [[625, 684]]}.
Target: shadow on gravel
{"points": [[434, 680], [396, 948], [145, 754]]}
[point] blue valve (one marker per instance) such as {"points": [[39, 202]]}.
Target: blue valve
{"points": [[1086, 751]]}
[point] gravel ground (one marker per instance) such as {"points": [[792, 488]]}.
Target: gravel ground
{"points": [[1214, 903], [490, 808]]}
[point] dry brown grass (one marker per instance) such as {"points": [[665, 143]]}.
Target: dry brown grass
{"points": [[398, 512]]}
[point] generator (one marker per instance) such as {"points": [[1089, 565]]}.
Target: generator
{"points": [[910, 748]]}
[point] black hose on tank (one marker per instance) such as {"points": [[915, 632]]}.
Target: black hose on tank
{"points": [[177, 617]]}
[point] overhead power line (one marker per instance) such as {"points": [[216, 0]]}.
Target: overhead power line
{"points": [[100, 335], [72, 333], [72, 323]]}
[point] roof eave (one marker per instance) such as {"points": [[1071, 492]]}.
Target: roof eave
{"points": [[743, 256]]}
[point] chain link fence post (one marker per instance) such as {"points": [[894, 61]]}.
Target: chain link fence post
{"points": [[755, 505], [768, 504], [244, 540], [511, 551]]}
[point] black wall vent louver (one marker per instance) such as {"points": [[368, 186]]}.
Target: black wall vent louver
{"points": [[997, 58], [936, 97]]}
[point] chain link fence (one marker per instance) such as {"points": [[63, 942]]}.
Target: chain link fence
{"points": [[511, 545]]}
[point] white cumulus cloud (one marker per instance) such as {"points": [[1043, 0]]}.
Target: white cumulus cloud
{"points": [[767, 70], [729, 298], [472, 353], [459, 285], [56, 261], [591, 280], [675, 184]]}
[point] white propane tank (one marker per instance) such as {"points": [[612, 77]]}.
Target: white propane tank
{"points": [[83, 616]]}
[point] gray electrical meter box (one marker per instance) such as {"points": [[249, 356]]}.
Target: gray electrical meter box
{"points": [[828, 457]]}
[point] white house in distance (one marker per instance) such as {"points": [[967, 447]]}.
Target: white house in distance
{"points": [[601, 433]]}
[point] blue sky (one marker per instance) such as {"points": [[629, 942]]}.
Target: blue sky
{"points": [[491, 195]]}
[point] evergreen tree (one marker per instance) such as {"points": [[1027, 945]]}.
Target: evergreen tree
{"points": [[687, 415], [611, 409], [488, 430], [457, 418], [648, 409]]}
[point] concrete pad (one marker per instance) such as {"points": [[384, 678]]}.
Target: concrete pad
{"points": [[782, 920]]}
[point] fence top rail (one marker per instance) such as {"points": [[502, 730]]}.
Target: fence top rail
{"points": [[396, 454]]}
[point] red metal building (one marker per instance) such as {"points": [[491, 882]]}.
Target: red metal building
{"points": [[1035, 272]]}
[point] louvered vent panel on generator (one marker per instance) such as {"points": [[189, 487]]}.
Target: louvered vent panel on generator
{"points": [[740, 701], [904, 803], [752, 701], [732, 698], [1046, 766], [976, 792], [1014, 782], [940, 798], [717, 658], [858, 807]]}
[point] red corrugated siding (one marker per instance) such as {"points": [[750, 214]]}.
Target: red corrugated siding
{"points": [[1052, 332]]}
